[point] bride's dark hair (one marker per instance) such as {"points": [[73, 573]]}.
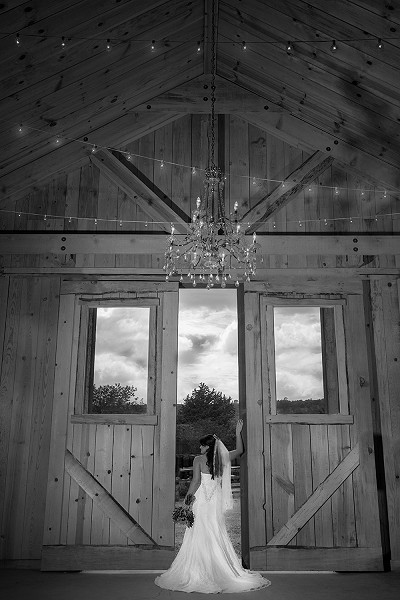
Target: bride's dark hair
{"points": [[209, 440]]}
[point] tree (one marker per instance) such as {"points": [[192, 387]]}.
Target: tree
{"points": [[205, 411], [115, 398]]}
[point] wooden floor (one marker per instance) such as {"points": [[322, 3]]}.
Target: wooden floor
{"points": [[128, 585]]}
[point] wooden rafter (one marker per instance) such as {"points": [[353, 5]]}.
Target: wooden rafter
{"points": [[106, 502], [140, 189], [323, 492], [283, 194]]}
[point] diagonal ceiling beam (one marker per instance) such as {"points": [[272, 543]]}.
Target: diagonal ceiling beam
{"points": [[283, 194], [121, 131], [310, 138], [139, 188]]}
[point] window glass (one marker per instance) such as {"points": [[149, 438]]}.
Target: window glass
{"points": [[120, 361], [299, 360]]}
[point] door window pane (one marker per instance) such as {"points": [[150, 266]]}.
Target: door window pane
{"points": [[120, 361], [298, 360]]}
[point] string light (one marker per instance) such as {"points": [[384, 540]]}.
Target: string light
{"points": [[198, 47], [299, 222], [17, 39], [380, 44], [333, 46], [108, 45], [289, 47], [63, 42], [153, 45], [94, 147], [254, 181], [244, 46]]}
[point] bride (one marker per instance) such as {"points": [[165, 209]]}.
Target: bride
{"points": [[207, 561]]}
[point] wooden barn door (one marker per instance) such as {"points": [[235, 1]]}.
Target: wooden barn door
{"points": [[111, 486], [311, 500]]}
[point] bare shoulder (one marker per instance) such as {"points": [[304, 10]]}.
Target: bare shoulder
{"points": [[198, 458]]}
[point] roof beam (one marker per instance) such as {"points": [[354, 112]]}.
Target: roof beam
{"points": [[190, 98], [64, 242], [140, 189], [208, 8], [283, 194]]}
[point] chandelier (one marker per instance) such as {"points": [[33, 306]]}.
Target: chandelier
{"points": [[216, 243]]}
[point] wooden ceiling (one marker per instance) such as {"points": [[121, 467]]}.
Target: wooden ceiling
{"points": [[345, 103]]}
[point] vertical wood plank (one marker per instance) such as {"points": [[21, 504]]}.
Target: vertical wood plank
{"points": [[87, 210], [320, 470], [39, 449], [329, 360], [364, 478], [282, 474], [164, 479], [386, 319], [21, 417], [59, 424], [121, 475], [341, 361], [302, 479], [100, 532], [141, 480], [107, 209], [343, 519], [252, 372]]}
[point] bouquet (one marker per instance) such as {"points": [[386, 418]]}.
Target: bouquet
{"points": [[184, 514]]}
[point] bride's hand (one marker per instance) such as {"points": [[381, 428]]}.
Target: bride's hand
{"points": [[239, 426]]}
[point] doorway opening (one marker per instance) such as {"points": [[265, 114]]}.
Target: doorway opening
{"points": [[207, 399]]}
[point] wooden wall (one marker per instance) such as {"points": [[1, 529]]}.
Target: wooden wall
{"points": [[244, 152], [29, 306], [28, 332]]}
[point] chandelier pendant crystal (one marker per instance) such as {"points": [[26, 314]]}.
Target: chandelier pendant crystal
{"points": [[216, 243]]}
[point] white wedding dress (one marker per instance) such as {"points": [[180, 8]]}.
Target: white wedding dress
{"points": [[207, 561]]}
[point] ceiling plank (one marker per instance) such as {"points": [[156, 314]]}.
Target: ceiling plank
{"points": [[32, 91], [207, 36], [64, 242], [141, 190], [118, 132], [283, 194], [32, 144], [192, 97], [364, 79]]}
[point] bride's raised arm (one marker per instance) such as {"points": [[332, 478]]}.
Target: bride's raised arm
{"points": [[239, 441]]}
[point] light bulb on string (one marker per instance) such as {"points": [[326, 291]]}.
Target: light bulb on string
{"points": [[193, 170], [333, 46], [336, 191], [153, 45], [380, 44], [244, 45], [17, 39], [162, 164], [129, 157], [198, 47], [20, 128], [94, 148], [63, 43], [108, 45], [120, 222], [289, 47], [95, 221], [58, 140], [254, 181], [45, 218]]}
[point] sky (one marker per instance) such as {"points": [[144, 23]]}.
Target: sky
{"points": [[207, 346]]}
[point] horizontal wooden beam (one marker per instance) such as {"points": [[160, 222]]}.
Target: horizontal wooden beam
{"points": [[268, 206], [106, 502], [102, 558], [293, 558], [311, 419], [195, 97], [155, 243], [132, 419], [317, 499]]}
